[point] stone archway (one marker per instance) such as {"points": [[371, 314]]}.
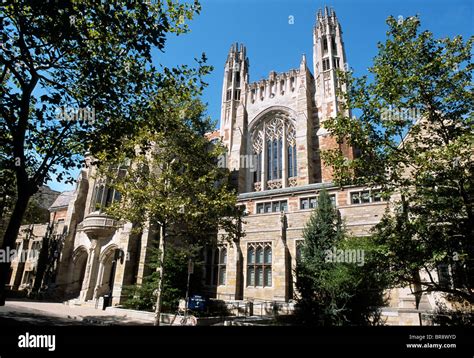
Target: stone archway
{"points": [[79, 259], [106, 276]]}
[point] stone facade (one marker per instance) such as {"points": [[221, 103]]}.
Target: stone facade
{"points": [[279, 124], [274, 133], [272, 122], [99, 256]]}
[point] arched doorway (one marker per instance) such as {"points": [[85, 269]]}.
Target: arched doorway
{"points": [[107, 268], [79, 260]]}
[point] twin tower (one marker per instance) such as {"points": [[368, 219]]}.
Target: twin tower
{"points": [[274, 128]]}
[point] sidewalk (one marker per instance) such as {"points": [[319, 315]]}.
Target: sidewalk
{"points": [[47, 313]]}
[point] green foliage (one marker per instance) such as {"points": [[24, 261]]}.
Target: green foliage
{"points": [[81, 55], [424, 157], [168, 176], [336, 293], [77, 77], [143, 297]]}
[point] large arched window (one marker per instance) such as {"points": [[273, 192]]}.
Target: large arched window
{"points": [[274, 147]]}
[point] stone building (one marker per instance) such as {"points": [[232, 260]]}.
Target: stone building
{"points": [[274, 132], [30, 241]]}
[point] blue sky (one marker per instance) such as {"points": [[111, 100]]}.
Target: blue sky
{"points": [[273, 44]]}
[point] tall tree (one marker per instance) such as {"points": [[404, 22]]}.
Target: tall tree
{"points": [[332, 291], [173, 181], [76, 76], [415, 138]]}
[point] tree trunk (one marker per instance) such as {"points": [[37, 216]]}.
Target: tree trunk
{"points": [[10, 237], [161, 248]]}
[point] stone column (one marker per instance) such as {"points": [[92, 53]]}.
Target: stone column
{"points": [[90, 276]]}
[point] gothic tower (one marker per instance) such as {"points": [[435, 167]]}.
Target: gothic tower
{"points": [[328, 57], [233, 88]]}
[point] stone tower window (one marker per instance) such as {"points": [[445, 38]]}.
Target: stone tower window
{"points": [[237, 79], [333, 44], [274, 147], [326, 64]]}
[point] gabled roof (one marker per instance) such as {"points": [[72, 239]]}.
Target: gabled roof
{"points": [[62, 201]]}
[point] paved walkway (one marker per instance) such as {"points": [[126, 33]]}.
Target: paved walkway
{"points": [[47, 313]]}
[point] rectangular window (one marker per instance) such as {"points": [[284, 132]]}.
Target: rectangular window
{"points": [[275, 160], [326, 64], [222, 265], [272, 207], [268, 207], [355, 198], [280, 165], [376, 196], [276, 206], [215, 265], [251, 276], [258, 167], [291, 161], [304, 204], [259, 264], [312, 202], [367, 196], [269, 160]]}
